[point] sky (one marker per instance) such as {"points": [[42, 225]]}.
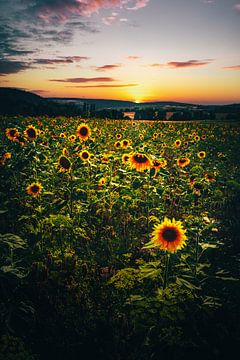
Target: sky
{"points": [[136, 50]]}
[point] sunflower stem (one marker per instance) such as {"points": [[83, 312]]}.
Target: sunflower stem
{"points": [[165, 279], [71, 193], [196, 255]]}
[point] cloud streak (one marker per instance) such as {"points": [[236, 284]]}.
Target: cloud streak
{"points": [[182, 64], [8, 67], [84, 79], [233, 67], [104, 86], [108, 67]]}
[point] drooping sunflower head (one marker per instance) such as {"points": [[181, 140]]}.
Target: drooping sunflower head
{"points": [[183, 161], [65, 163], [34, 189], [140, 162], [84, 155], [65, 152], [102, 182], [83, 131], [12, 134], [201, 154], [169, 235], [156, 164], [31, 132]]}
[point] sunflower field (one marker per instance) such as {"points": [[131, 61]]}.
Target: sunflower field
{"points": [[119, 239]]}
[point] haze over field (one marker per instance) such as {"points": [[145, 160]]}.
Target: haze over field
{"points": [[135, 50]]}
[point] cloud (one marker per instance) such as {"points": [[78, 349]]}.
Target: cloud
{"points": [[104, 86], [84, 80], [133, 57], [12, 67], [61, 60], [181, 64], [156, 65], [139, 4], [108, 20], [233, 67], [60, 10], [237, 7], [189, 63], [108, 67]]}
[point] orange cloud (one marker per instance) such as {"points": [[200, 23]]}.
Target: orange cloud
{"points": [[108, 67], [83, 79], [234, 67]]}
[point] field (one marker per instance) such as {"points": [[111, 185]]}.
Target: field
{"points": [[119, 239]]}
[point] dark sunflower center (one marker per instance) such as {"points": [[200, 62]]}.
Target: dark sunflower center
{"points": [[35, 188], [31, 133], [125, 143], [141, 159], [182, 161], [12, 132], [84, 131], [64, 162], [85, 155], [169, 235], [156, 163]]}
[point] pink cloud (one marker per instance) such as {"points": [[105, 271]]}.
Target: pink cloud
{"points": [[60, 11], [108, 67], [234, 67], [187, 64]]}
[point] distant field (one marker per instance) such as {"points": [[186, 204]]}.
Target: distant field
{"points": [[125, 232]]}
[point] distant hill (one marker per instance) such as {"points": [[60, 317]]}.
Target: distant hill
{"points": [[20, 102], [117, 104]]}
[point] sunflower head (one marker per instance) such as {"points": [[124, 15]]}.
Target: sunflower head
{"points": [[125, 143], [126, 158], [117, 144], [197, 138], [34, 189], [65, 163], [177, 143], [201, 154], [83, 131], [31, 132], [169, 235], [72, 138], [12, 133], [84, 155], [140, 162], [118, 136], [183, 161]]}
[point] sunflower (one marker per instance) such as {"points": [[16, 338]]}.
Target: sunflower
{"points": [[117, 144], [118, 136], [34, 189], [7, 155], [156, 164], [140, 162], [84, 155], [204, 137], [169, 235], [126, 158], [141, 136], [72, 138], [183, 161], [65, 163], [162, 152], [31, 132], [105, 159], [125, 143], [197, 138], [65, 152], [102, 181], [209, 177], [83, 131], [201, 154], [177, 143], [62, 135], [12, 133]]}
